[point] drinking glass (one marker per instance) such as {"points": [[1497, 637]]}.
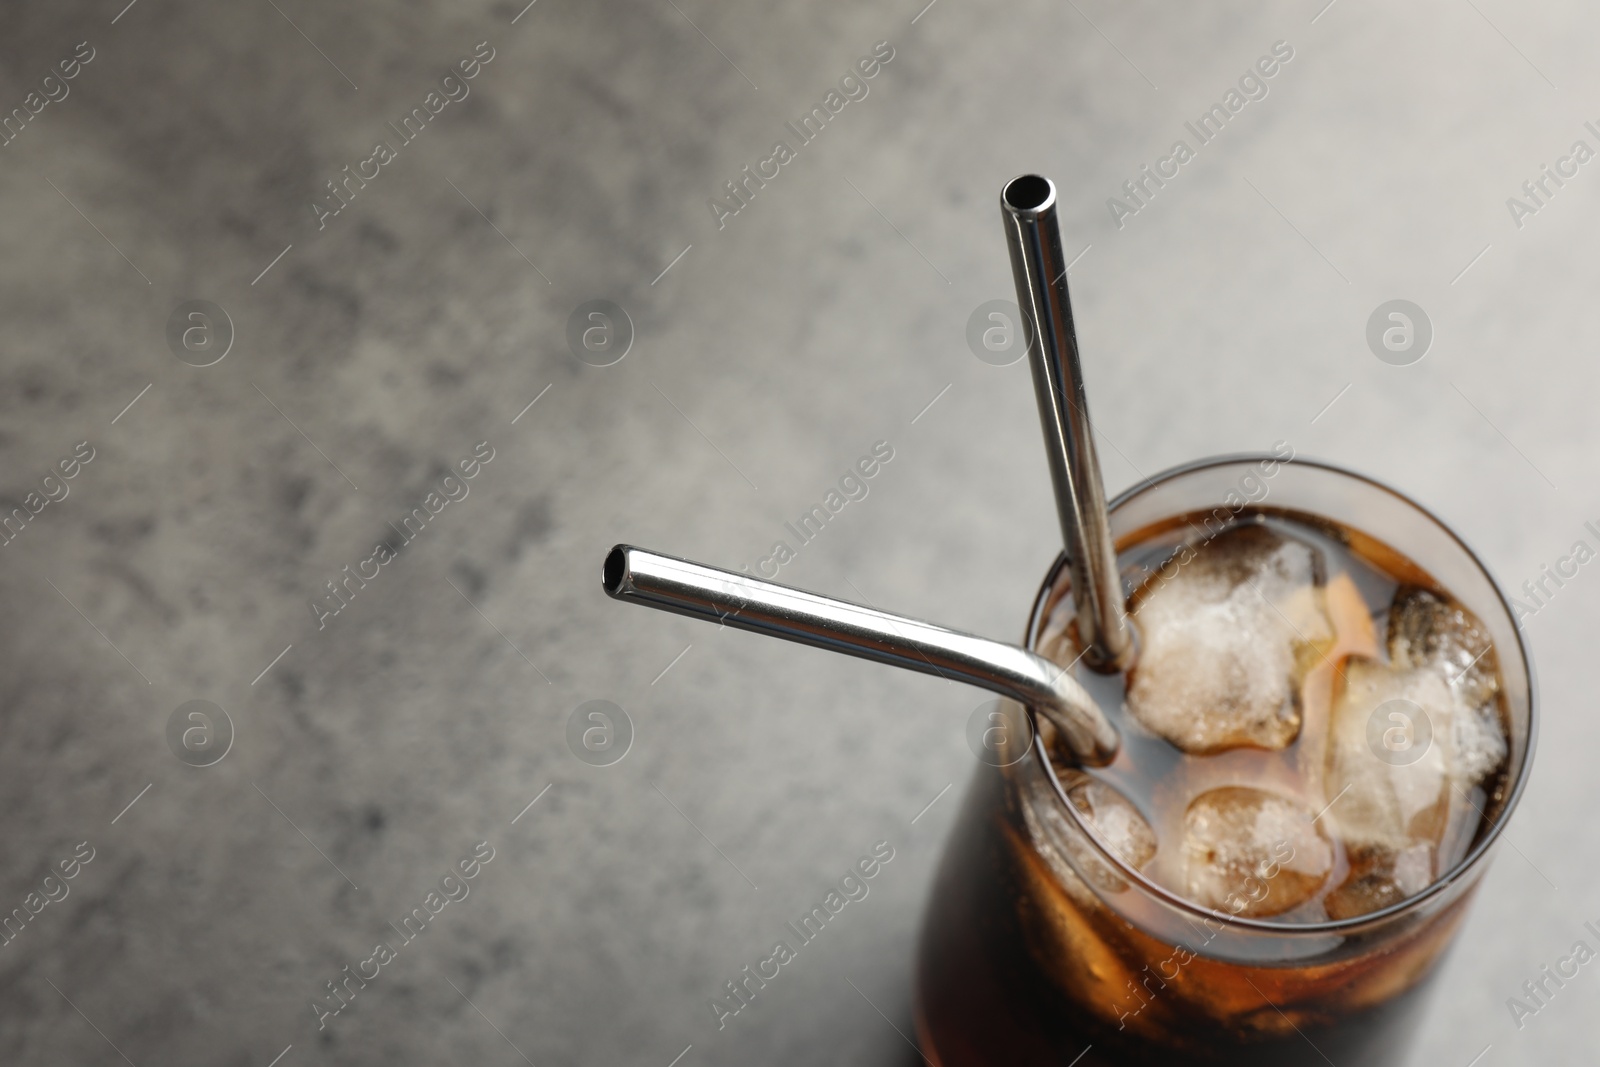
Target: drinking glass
{"points": [[1040, 945]]}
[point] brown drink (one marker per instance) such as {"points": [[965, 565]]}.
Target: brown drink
{"points": [[1327, 725]]}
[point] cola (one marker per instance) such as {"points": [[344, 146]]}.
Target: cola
{"points": [[1328, 721]]}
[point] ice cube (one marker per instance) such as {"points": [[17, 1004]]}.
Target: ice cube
{"points": [[1429, 630], [1403, 750], [1254, 853], [1228, 630], [1116, 821], [1379, 878], [1390, 755]]}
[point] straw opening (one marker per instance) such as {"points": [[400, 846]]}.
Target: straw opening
{"points": [[616, 569], [1030, 192]]}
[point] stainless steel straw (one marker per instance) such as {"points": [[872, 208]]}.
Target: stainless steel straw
{"points": [[739, 600], [1040, 271]]}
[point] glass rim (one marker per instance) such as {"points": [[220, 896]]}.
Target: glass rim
{"points": [[1330, 926]]}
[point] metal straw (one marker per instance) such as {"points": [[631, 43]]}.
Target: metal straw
{"points": [[1040, 271], [739, 600]]}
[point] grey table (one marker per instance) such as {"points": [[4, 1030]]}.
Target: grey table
{"points": [[193, 164]]}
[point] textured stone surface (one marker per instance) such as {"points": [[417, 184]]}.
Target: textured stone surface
{"points": [[1225, 315]]}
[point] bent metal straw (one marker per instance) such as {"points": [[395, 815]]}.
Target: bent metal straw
{"points": [[738, 600]]}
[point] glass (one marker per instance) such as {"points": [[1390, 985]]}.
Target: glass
{"points": [[1041, 946]]}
